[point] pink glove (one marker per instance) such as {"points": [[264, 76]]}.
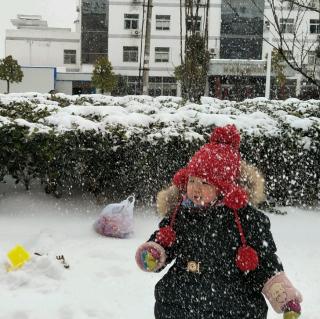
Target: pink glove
{"points": [[150, 256], [281, 293]]}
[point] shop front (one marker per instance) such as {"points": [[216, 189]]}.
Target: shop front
{"points": [[242, 79]]}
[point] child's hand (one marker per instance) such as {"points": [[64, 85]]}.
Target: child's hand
{"points": [[292, 310], [150, 256]]}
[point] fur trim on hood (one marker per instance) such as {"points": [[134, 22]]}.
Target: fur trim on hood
{"points": [[250, 179]]}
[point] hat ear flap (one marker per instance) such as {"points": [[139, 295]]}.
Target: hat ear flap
{"points": [[180, 179]]}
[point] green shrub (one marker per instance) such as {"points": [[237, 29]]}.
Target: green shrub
{"points": [[117, 160]]}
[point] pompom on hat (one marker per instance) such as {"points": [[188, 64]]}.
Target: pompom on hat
{"points": [[218, 163]]}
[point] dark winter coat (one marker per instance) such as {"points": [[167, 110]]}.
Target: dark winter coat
{"points": [[220, 290]]}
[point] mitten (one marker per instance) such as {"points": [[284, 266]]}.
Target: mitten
{"points": [[282, 295], [292, 310], [150, 256]]}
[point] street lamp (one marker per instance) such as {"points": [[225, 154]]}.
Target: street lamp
{"points": [[269, 57]]}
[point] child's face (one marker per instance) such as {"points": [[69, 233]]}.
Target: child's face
{"points": [[200, 192]]}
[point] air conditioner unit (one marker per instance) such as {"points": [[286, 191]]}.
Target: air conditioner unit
{"points": [[135, 33], [212, 53]]}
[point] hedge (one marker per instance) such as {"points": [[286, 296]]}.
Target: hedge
{"points": [[70, 143]]}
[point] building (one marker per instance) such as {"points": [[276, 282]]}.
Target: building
{"points": [[37, 46], [116, 29], [126, 42], [33, 43], [235, 42], [94, 30]]}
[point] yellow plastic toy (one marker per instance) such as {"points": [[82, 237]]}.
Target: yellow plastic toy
{"points": [[291, 315], [18, 256]]}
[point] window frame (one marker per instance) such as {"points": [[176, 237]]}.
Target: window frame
{"points": [[68, 55], [316, 25], [313, 59], [132, 19], [130, 51], [162, 51], [287, 25], [162, 86], [161, 21]]}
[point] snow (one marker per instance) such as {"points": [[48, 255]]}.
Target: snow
{"points": [[103, 280], [97, 112]]}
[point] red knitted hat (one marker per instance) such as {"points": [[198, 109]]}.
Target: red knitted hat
{"points": [[218, 162]]}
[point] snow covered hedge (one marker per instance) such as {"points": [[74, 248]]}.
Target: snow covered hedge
{"points": [[133, 144]]}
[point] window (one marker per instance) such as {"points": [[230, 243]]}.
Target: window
{"points": [[314, 26], [162, 86], [133, 85], [312, 58], [194, 22], [286, 25], [162, 22], [131, 21], [130, 54], [161, 54], [70, 56]]}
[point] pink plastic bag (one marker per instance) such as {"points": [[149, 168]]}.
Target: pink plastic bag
{"points": [[116, 220]]}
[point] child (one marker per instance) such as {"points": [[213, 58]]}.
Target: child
{"points": [[222, 247]]}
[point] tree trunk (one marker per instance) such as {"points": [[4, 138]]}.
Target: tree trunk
{"points": [[8, 86]]}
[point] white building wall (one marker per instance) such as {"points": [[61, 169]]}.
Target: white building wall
{"points": [[120, 37], [32, 47], [35, 79]]}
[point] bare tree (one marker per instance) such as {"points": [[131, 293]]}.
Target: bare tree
{"points": [[291, 35], [295, 40]]}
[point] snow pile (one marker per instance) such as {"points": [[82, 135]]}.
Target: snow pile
{"points": [[103, 280]]}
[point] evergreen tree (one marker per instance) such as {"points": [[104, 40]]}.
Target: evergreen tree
{"points": [[192, 74], [277, 66], [10, 71], [103, 78]]}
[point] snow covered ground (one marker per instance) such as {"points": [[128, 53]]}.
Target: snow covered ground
{"points": [[103, 280]]}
